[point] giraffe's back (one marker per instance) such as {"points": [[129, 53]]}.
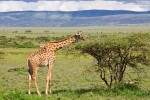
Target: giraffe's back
{"points": [[41, 57]]}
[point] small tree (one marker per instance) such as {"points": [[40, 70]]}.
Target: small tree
{"points": [[46, 32], [28, 31], [1, 54], [115, 54], [15, 32]]}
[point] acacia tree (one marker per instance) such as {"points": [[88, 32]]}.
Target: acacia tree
{"points": [[115, 54]]}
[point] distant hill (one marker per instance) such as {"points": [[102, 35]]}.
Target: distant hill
{"points": [[73, 18]]}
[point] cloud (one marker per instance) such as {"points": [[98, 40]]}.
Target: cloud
{"points": [[45, 0], [129, 1], [143, 4], [22, 0], [68, 5], [125, 1]]}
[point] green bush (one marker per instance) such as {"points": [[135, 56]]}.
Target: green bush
{"points": [[21, 38], [3, 41], [114, 54], [27, 45], [42, 39], [1, 54]]}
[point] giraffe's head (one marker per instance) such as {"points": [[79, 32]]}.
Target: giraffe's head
{"points": [[79, 35]]}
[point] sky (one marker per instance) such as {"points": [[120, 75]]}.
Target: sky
{"points": [[73, 5]]}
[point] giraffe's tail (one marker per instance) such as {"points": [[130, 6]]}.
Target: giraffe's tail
{"points": [[30, 67], [32, 71]]}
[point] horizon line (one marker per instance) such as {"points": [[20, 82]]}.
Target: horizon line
{"points": [[70, 11]]}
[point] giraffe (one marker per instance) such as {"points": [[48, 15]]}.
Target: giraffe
{"points": [[46, 56]]}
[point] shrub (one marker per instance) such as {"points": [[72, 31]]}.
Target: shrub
{"points": [[42, 39], [27, 45], [3, 41], [1, 54], [28, 31], [114, 54], [20, 38]]}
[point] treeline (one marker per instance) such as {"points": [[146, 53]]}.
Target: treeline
{"points": [[26, 42]]}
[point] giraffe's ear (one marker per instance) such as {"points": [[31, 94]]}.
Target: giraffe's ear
{"points": [[79, 32]]}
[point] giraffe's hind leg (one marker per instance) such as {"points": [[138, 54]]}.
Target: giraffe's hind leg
{"points": [[36, 86], [50, 83], [29, 77], [32, 76], [29, 84]]}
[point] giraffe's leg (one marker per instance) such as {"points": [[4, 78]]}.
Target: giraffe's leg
{"points": [[29, 84], [50, 83], [47, 80], [34, 77], [29, 77], [36, 86]]}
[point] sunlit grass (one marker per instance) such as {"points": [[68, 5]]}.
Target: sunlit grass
{"points": [[64, 31], [70, 79]]}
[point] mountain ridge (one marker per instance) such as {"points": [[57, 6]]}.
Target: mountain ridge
{"points": [[72, 18]]}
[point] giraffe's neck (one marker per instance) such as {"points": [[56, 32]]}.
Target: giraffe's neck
{"points": [[68, 41]]}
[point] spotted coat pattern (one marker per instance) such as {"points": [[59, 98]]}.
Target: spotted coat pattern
{"points": [[45, 57]]}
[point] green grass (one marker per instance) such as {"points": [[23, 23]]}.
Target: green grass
{"points": [[64, 31], [70, 80], [81, 94]]}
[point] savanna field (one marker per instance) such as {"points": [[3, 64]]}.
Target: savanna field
{"points": [[73, 76]]}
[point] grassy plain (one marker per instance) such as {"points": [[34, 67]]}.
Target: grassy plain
{"points": [[70, 80], [63, 31]]}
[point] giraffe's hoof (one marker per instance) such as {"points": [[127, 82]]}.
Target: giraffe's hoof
{"points": [[39, 93], [46, 93], [50, 92], [29, 93]]}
